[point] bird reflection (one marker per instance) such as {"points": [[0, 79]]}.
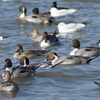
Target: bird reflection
{"points": [[6, 94]]}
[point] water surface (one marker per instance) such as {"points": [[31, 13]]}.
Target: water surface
{"points": [[63, 82]]}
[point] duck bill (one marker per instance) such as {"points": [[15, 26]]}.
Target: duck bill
{"points": [[28, 35]]}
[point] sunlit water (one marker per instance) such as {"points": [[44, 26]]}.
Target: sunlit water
{"points": [[62, 82]]}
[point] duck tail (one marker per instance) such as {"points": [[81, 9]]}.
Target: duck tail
{"points": [[87, 22], [91, 59], [58, 63], [52, 19], [97, 83], [5, 37]]}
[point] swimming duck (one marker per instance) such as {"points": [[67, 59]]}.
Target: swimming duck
{"points": [[49, 40], [33, 18], [21, 70], [24, 69], [36, 36], [36, 12], [7, 84], [67, 60], [71, 27], [85, 52], [60, 11], [29, 54]]}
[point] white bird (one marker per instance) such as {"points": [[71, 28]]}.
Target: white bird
{"points": [[71, 27], [60, 11]]}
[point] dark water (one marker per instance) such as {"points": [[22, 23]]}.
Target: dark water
{"points": [[63, 82]]}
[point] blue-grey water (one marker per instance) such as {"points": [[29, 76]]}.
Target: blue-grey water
{"points": [[63, 82]]}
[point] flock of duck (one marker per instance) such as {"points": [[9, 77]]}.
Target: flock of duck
{"points": [[25, 69]]}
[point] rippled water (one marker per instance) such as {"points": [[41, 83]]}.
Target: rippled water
{"points": [[63, 82]]}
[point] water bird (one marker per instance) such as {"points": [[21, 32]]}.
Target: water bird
{"points": [[68, 59], [36, 36], [85, 51], [7, 84], [56, 11], [49, 40], [29, 53], [38, 19], [71, 27]]}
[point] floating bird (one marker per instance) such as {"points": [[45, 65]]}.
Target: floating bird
{"points": [[67, 60], [85, 51], [38, 19], [60, 11], [7, 84], [36, 36], [49, 40], [71, 27], [29, 53]]}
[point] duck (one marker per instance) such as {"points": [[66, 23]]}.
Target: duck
{"points": [[71, 27], [38, 19], [22, 70], [8, 85], [25, 69], [36, 11], [29, 53], [49, 40], [60, 11], [85, 51], [36, 36], [44, 15], [67, 60]]}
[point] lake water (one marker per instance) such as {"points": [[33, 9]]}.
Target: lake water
{"points": [[63, 82]]}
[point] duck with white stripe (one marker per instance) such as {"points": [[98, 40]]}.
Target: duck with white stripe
{"points": [[20, 71], [67, 60], [24, 69], [85, 51], [33, 18]]}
